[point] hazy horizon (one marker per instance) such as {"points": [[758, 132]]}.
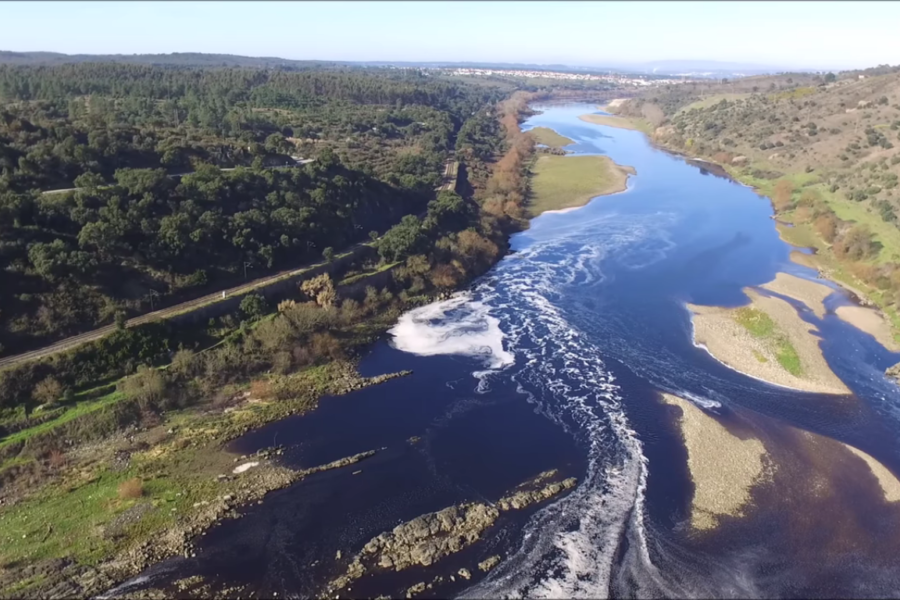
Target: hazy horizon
{"points": [[781, 35]]}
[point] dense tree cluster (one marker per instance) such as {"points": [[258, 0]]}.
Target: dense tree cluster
{"points": [[180, 182]]}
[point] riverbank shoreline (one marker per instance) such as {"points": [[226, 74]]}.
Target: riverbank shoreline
{"points": [[176, 468], [873, 321]]}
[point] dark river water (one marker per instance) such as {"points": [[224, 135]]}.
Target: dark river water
{"points": [[555, 359]]}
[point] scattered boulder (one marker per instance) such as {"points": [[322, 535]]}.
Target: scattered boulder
{"points": [[416, 589], [464, 573], [893, 372], [489, 563], [739, 160]]}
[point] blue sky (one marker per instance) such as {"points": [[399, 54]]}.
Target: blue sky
{"points": [[781, 34]]}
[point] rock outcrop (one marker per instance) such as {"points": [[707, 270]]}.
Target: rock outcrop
{"points": [[430, 537], [489, 563], [893, 372]]}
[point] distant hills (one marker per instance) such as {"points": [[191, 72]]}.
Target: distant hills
{"points": [[183, 59], [693, 68]]}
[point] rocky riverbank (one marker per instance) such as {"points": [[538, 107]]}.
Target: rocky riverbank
{"points": [[200, 484], [433, 536]]}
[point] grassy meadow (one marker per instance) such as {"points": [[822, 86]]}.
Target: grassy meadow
{"points": [[560, 182]]}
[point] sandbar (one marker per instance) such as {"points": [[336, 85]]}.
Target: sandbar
{"points": [[723, 466], [808, 292], [886, 480], [803, 259], [615, 103], [869, 321], [731, 343], [610, 121]]}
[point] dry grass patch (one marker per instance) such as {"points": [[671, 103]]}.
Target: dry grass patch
{"points": [[132, 488]]}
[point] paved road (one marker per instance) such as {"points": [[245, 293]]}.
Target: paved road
{"points": [[451, 171]]}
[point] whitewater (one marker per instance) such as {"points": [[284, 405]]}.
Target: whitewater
{"points": [[511, 323]]}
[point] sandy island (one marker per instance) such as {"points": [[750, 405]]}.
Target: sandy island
{"points": [[723, 466], [727, 469], [810, 293], [869, 321], [610, 120], [786, 343]]}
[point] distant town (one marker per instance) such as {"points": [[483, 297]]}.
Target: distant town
{"points": [[619, 79]]}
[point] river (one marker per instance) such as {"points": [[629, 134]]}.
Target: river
{"points": [[554, 359]]}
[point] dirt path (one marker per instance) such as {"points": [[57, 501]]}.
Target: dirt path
{"points": [[451, 171]]}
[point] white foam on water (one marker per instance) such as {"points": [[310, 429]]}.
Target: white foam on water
{"points": [[569, 547], [458, 326], [699, 400]]}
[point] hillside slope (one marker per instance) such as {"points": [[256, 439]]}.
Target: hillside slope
{"points": [[825, 149]]}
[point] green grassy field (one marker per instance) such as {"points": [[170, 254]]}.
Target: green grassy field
{"points": [[77, 410], [560, 182], [548, 137], [761, 326]]}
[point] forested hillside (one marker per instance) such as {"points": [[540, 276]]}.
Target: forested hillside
{"points": [[825, 148], [177, 59], [379, 140]]}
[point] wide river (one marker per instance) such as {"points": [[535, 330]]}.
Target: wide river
{"points": [[555, 359]]}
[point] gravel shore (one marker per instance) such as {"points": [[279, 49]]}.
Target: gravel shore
{"points": [[887, 480]]}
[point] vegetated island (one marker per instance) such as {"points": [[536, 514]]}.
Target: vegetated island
{"points": [[566, 182], [549, 138], [767, 339]]}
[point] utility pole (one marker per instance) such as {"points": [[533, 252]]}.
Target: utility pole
{"points": [[247, 264], [151, 294]]}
